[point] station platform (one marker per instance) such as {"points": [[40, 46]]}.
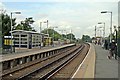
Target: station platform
{"points": [[104, 67], [23, 50], [27, 52], [96, 65]]}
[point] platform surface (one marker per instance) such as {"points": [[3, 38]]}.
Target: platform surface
{"points": [[19, 55], [105, 68], [97, 65], [87, 68]]}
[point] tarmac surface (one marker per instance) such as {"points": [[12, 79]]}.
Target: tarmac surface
{"points": [[105, 68], [97, 65]]}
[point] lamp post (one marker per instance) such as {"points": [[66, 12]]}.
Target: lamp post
{"points": [[95, 31], [61, 35], [12, 26], [103, 28], [100, 31], [54, 34], [40, 34], [47, 31], [71, 35], [40, 27], [110, 23], [101, 39], [47, 26]]}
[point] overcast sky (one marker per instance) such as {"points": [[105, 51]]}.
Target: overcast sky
{"points": [[78, 16]]}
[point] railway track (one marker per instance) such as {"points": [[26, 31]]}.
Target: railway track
{"points": [[24, 69], [69, 70], [55, 66], [47, 68], [31, 63]]}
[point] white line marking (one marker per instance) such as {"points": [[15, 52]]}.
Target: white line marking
{"points": [[80, 65]]}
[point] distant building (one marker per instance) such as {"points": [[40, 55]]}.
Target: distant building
{"points": [[27, 39], [47, 40]]}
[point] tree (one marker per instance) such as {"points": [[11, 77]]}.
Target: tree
{"points": [[63, 36], [6, 24], [118, 41], [86, 38], [55, 36], [26, 25], [70, 36], [5, 21]]}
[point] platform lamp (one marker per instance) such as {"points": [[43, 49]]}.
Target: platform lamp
{"points": [[54, 33], [100, 31], [47, 25], [103, 29], [47, 30], [12, 26], [110, 23], [40, 27], [71, 36]]}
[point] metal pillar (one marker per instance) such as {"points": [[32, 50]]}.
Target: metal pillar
{"points": [[11, 32], [118, 42], [95, 31]]}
